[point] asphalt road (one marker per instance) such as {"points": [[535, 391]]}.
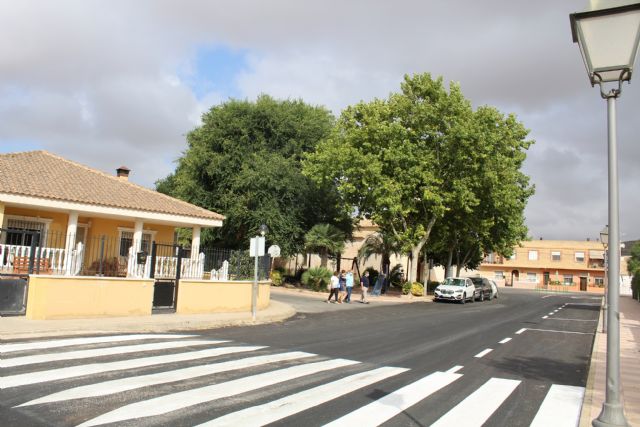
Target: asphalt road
{"points": [[497, 363]]}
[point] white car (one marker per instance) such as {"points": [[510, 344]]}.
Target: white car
{"points": [[455, 289], [494, 289]]}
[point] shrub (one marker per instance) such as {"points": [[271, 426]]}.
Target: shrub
{"points": [[417, 289], [276, 278], [635, 287], [406, 288], [316, 278]]}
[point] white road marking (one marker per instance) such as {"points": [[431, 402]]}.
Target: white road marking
{"points": [[551, 314], [392, 404], [98, 368], [41, 345], [561, 332], [109, 351], [173, 402], [521, 331], [545, 317], [584, 303], [484, 352], [298, 402], [506, 340], [560, 408], [575, 320], [548, 296], [131, 383], [479, 405], [454, 369]]}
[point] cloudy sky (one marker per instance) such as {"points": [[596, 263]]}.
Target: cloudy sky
{"points": [[110, 83]]}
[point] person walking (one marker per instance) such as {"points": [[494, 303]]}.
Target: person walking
{"points": [[364, 282], [349, 285], [343, 286], [335, 287]]}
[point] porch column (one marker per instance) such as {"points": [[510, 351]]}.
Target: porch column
{"points": [[195, 242], [72, 229], [1, 214], [137, 235]]}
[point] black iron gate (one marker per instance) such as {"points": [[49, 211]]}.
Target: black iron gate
{"points": [[19, 257], [166, 264]]}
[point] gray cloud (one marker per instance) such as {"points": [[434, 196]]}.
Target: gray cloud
{"points": [[99, 81]]}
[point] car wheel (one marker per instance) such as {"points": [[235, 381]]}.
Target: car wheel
{"points": [[464, 299], [473, 297]]}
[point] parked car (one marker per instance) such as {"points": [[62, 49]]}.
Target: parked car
{"points": [[483, 288], [455, 289], [494, 289]]}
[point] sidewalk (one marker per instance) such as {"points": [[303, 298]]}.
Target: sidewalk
{"points": [[15, 327], [629, 366]]}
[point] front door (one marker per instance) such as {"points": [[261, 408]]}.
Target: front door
{"points": [[166, 264], [583, 283], [546, 279]]}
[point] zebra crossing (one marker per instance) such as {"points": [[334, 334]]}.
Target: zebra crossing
{"points": [[158, 379]]}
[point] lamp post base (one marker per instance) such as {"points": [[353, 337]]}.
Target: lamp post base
{"points": [[612, 415]]}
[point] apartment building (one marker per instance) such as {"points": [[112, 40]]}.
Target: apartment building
{"points": [[574, 265]]}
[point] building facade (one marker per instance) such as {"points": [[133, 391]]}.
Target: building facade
{"points": [[569, 264]]}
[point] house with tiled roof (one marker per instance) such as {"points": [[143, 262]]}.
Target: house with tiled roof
{"points": [[61, 219]]}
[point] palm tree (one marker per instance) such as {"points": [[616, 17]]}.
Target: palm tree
{"points": [[382, 244], [324, 239]]}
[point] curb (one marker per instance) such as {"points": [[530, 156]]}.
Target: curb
{"points": [[587, 402], [278, 312]]}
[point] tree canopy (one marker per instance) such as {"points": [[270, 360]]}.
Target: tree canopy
{"points": [[244, 161], [424, 157]]}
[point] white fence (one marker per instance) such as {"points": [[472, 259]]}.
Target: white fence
{"points": [[57, 261]]}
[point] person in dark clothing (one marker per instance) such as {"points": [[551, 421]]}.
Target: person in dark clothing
{"points": [[364, 282]]}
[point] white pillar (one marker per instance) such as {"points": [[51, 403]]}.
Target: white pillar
{"points": [[72, 229], [137, 235], [195, 242]]}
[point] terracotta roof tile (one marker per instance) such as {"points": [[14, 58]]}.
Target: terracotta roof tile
{"points": [[42, 174]]}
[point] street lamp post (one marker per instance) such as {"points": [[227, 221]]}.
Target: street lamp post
{"points": [[604, 239], [608, 40], [256, 250]]}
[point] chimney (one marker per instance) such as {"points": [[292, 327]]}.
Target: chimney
{"points": [[123, 173]]}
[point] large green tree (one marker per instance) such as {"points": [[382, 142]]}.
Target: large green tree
{"points": [[411, 160], [244, 161], [324, 239]]}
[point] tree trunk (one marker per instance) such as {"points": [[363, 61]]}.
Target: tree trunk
{"points": [[323, 259], [415, 251], [447, 272]]}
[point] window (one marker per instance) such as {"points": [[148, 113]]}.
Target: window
{"points": [[555, 256], [126, 241], [599, 281], [23, 224], [533, 255], [499, 275], [567, 279], [532, 277], [579, 256]]}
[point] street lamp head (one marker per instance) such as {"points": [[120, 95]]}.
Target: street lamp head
{"points": [[604, 235], [264, 229], [608, 40]]}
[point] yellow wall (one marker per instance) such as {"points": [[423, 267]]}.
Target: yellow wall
{"points": [[202, 296], [52, 297]]}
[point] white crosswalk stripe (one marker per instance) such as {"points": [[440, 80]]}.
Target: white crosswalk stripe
{"points": [[85, 354], [292, 404], [41, 345], [211, 377], [99, 368], [131, 383], [561, 407], [392, 404], [173, 402], [476, 408]]}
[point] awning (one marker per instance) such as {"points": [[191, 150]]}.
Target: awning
{"points": [[596, 254]]}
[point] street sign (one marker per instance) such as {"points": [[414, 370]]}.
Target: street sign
{"points": [[256, 242], [274, 251]]}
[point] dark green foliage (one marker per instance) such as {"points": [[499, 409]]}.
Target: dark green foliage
{"points": [[317, 278], [244, 162]]}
